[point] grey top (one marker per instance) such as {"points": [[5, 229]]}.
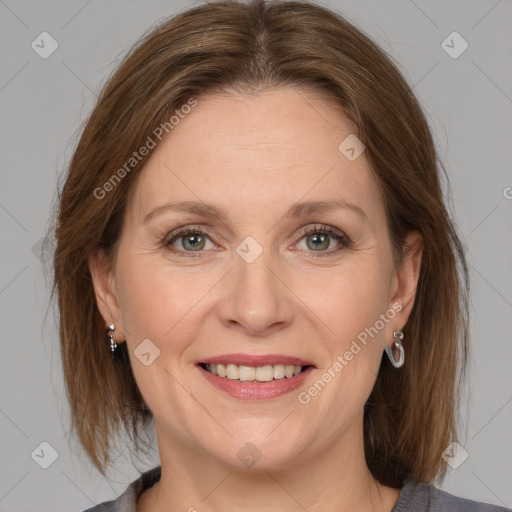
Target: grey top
{"points": [[414, 497]]}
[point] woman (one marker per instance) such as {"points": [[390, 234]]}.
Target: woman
{"points": [[254, 252]]}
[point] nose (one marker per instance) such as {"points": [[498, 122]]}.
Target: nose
{"points": [[256, 299]]}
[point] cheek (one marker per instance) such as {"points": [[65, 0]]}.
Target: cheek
{"points": [[154, 300], [163, 303], [347, 299], [155, 303]]}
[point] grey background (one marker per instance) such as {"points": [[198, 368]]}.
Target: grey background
{"points": [[43, 103]]}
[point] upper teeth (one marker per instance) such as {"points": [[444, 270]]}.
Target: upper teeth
{"points": [[260, 373]]}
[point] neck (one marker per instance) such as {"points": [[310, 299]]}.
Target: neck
{"points": [[337, 479]]}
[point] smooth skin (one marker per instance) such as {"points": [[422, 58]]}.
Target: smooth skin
{"points": [[255, 156]]}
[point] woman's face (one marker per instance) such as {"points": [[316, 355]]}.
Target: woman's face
{"points": [[251, 284]]}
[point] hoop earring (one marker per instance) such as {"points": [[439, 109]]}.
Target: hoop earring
{"points": [[398, 336], [110, 333]]}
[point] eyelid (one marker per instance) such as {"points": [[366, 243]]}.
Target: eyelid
{"points": [[343, 240], [177, 233], [184, 230], [320, 227]]}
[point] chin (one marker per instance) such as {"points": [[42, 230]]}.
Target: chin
{"points": [[261, 451]]}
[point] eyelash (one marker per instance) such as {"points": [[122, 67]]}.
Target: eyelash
{"points": [[170, 238]]}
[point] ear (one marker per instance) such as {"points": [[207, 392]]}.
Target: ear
{"points": [[406, 277], [106, 294]]}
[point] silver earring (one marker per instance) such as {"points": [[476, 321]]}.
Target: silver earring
{"points": [[113, 344], [398, 336]]}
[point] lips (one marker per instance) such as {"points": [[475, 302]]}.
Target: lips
{"points": [[247, 377], [255, 361]]}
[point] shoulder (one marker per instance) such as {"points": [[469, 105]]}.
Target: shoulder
{"points": [[127, 502], [423, 497]]}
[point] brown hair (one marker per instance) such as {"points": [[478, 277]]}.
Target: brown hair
{"points": [[410, 416]]}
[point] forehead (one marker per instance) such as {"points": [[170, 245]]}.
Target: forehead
{"points": [[255, 153]]}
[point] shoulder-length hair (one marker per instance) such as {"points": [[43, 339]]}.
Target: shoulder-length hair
{"points": [[411, 414]]}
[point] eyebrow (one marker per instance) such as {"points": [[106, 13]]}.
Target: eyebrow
{"points": [[296, 210]]}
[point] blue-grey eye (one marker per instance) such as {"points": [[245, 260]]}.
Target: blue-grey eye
{"points": [[318, 241], [194, 242]]}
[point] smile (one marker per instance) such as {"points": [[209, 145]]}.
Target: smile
{"points": [[255, 377]]}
